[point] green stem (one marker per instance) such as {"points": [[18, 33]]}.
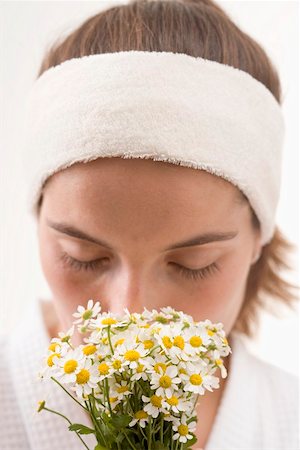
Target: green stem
{"points": [[64, 417], [52, 378], [150, 434], [109, 340], [94, 420], [142, 431], [131, 445], [195, 402], [162, 429], [107, 395]]}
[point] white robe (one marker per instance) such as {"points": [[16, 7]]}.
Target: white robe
{"points": [[258, 409]]}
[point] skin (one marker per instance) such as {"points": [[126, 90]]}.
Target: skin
{"points": [[140, 207]]}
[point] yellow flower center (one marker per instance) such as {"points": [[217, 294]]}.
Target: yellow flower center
{"points": [[141, 415], [89, 349], [49, 360], [103, 368], [108, 321], [113, 399], [161, 365], [182, 370], [173, 401], [148, 343], [53, 345], [156, 400], [119, 342], [116, 364], [165, 381], [104, 340], [70, 366], [167, 342], [147, 325], [195, 341], [210, 332], [179, 342], [122, 389], [83, 376], [140, 368], [87, 314], [218, 362], [225, 341], [132, 355], [155, 330], [196, 379], [183, 430]]}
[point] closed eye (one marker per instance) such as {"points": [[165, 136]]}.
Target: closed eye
{"points": [[193, 274]]}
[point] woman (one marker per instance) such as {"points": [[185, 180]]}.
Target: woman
{"points": [[137, 232]]}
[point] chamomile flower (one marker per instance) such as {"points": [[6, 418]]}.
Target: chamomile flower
{"points": [[85, 314], [153, 406], [135, 318], [120, 390], [177, 403], [86, 379], [141, 417], [166, 383], [105, 369], [55, 351], [132, 354], [196, 341], [65, 337], [121, 338], [171, 339], [69, 365], [117, 364], [183, 430], [158, 364], [114, 401], [105, 320], [140, 373], [197, 381], [219, 363]]}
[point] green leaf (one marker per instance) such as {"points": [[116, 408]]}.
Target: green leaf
{"points": [[120, 438], [100, 447], [159, 446], [121, 421], [81, 429], [188, 445]]}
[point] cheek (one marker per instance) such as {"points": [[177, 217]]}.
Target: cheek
{"points": [[68, 289], [219, 298]]}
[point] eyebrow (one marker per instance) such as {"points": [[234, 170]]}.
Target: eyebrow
{"points": [[197, 240]]}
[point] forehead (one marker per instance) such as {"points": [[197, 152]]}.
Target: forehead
{"points": [[140, 197], [158, 175]]}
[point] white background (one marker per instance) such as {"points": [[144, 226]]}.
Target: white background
{"points": [[27, 28]]}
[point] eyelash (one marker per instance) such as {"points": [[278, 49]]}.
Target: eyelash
{"points": [[193, 274], [79, 265]]}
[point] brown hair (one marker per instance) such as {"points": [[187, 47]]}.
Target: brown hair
{"points": [[199, 28]]}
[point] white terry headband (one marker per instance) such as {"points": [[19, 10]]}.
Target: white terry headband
{"points": [[160, 105]]}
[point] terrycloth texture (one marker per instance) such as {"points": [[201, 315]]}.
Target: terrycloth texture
{"points": [[258, 410], [160, 105]]}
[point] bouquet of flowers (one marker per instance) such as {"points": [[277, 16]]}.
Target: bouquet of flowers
{"points": [[138, 376]]}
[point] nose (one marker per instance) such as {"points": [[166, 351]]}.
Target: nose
{"points": [[127, 288]]}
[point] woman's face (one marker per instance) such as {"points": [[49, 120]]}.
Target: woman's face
{"points": [[136, 225]]}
